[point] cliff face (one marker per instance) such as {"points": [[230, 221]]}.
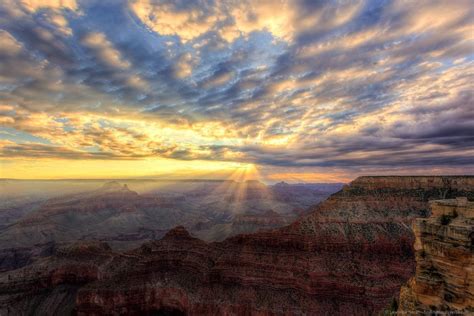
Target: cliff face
{"points": [[348, 257], [390, 199], [247, 274], [444, 279], [440, 183]]}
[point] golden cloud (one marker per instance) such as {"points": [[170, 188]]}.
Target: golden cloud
{"points": [[107, 53], [34, 5], [432, 16], [165, 20], [184, 65], [276, 17], [61, 24], [10, 45], [247, 16]]}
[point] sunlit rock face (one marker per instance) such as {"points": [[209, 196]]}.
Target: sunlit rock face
{"points": [[444, 279], [349, 256], [396, 199]]}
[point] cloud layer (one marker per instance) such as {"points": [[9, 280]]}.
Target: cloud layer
{"points": [[333, 86]]}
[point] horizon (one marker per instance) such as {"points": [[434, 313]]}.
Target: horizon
{"points": [[151, 179], [165, 180]]}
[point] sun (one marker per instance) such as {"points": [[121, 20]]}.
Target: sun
{"points": [[245, 172]]}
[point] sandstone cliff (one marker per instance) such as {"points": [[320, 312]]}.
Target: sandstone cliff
{"points": [[444, 279], [348, 257]]}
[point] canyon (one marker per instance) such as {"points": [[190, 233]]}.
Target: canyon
{"points": [[444, 279], [125, 216], [349, 255]]}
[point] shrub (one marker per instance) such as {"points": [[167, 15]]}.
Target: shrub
{"points": [[394, 305], [445, 219], [391, 309], [455, 214]]}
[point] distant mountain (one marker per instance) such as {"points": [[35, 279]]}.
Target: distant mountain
{"points": [[112, 212], [114, 186], [319, 187], [211, 210], [14, 208]]}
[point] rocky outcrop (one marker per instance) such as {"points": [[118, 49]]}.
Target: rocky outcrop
{"points": [[444, 279], [441, 184], [249, 222], [14, 258], [247, 274], [49, 286], [349, 256]]}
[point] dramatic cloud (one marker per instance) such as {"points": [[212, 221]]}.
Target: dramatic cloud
{"points": [[306, 89]]}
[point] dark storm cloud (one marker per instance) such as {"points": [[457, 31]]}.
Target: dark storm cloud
{"points": [[48, 151]]}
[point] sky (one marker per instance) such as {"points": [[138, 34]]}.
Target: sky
{"points": [[295, 90]]}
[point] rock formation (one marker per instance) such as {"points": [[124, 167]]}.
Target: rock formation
{"points": [[125, 218], [444, 279], [348, 257]]}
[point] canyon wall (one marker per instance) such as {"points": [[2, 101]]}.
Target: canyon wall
{"points": [[444, 279], [348, 256]]}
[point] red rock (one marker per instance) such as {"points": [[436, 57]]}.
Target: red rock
{"points": [[348, 257], [444, 280]]}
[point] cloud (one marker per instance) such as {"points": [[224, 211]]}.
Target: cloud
{"points": [[346, 85], [230, 20], [35, 151], [250, 16], [184, 66], [105, 51], [218, 79], [428, 17], [284, 19], [10, 45], [60, 23], [188, 22], [34, 5]]}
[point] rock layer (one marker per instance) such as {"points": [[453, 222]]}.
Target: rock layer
{"points": [[349, 256], [444, 279]]}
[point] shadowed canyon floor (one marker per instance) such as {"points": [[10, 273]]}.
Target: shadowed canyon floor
{"points": [[348, 256]]}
